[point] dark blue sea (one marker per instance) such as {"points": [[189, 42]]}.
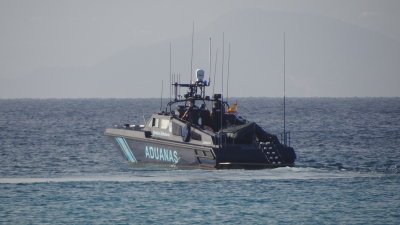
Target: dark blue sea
{"points": [[57, 167]]}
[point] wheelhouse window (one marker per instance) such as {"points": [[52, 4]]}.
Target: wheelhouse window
{"points": [[164, 124], [155, 122], [160, 123]]}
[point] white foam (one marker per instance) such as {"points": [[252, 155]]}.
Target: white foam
{"points": [[288, 173]]}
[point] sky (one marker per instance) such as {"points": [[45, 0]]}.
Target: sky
{"points": [[41, 35]]}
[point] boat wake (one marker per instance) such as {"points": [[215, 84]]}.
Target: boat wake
{"points": [[285, 173]]}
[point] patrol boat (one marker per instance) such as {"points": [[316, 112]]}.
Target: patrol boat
{"points": [[195, 131]]}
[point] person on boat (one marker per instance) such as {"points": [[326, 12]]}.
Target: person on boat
{"points": [[191, 113], [216, 115], [204, 120]]}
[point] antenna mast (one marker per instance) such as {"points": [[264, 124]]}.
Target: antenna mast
{"points": [[209, 76], [284, 89], [215, 69], [223, 45], [170, 70], [222, 98], [191, 59], [174, 88], [162, 87], [227, 81]]}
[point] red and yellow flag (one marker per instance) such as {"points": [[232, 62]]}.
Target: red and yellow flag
{"points": [[232, 109]]}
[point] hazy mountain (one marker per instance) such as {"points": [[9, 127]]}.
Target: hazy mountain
{"points": [[324, 57]]}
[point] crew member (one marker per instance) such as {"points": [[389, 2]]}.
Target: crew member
{"points": [[189, 115], [216, 114]]}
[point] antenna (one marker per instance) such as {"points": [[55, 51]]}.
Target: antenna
{"points": [[170, 70], [162, 87], [173, 89], [191, 59], [284, 90], [179, 81], [209, 76], [227, 81], [222, 97], [215, 69], [223, 46]]}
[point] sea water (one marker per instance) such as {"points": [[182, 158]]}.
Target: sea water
{"points": [[57, 167]]}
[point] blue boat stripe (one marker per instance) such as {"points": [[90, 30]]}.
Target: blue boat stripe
{"points": [[129, 150], [122, 148], [126, 149]]}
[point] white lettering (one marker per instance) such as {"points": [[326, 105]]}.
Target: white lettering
{"points": [[161, 154], [147, 152], [151, 152], [161, 133], [157, 155], [170, 156], [175, 157]]}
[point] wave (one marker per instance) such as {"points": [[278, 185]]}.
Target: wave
{"points": [[287, 173]]}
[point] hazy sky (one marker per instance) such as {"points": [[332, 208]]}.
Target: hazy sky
{"points": [[41, 34]]}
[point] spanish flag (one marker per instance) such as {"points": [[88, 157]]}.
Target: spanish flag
{"points": [[232, 109]]}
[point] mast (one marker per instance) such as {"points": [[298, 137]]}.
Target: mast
{"points": [[162, 87], [223, 46], [191, 58], [227, 80], [170, 70], [175, 87], [215, 69], [222, 80], [209, 76], [284, 89]]}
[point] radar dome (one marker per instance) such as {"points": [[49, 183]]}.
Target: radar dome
{"points": [[200, 75]]}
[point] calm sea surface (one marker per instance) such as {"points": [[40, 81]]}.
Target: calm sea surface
{"points": [[57, 167]]}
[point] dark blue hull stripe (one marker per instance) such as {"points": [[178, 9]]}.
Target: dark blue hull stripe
{"points": [[126, 149]]}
